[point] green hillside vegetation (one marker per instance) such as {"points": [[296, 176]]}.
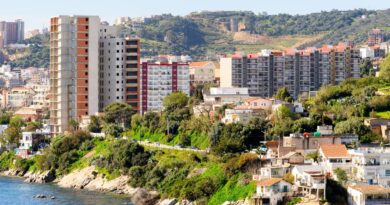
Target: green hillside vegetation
{"points": [[37, 54], [209, 37]]}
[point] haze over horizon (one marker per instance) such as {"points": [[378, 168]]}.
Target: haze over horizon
{"points": [[36, 15]]}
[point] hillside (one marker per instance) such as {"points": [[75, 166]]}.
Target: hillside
{"points": [[202, 34], [209, 34]]}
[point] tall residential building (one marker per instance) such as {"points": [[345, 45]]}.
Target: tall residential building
{"points": [[74, 63], [88, 65], [300, 71], [11, 32], [375, 37], [118, 70], [161, 78]]}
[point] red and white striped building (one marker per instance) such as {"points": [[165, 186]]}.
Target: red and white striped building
{"points": [[159, 79]]}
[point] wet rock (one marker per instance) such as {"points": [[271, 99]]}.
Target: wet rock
{"points": [[144, 197]]}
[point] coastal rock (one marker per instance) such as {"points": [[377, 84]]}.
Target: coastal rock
{"points": [[78, 179], [88, 179], [167, 202], [144, 197], [13, 172], [40, 177]]}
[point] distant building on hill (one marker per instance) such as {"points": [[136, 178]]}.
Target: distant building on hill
{"points": [[375, 37]]}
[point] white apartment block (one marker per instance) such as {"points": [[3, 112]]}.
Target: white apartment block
{"points": [[371, 165]]}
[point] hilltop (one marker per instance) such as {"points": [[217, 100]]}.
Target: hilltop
{"points": [[205, 35]]}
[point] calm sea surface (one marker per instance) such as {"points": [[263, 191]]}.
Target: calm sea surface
{"points": [[13, 191]]}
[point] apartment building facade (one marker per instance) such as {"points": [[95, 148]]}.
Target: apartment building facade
{"points": [[299, 71], [11, 32], [118, 68], [159, 79], [371, 165], [375, 37], [88, 65]]}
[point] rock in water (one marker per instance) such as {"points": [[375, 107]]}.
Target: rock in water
{"points": [[143, 197]]}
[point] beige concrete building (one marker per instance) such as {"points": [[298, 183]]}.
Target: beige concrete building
{"points": [[90, 67]]}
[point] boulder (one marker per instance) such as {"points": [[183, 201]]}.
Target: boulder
{"points": [[167, 202], [40, 177], [144, 197], [78, 179]]}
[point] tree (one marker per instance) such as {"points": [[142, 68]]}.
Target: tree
{"points": [[73, 125], [352, 125], [17, 122], [341, 175], [5, 118], [304, 125], [176, 100], [175, 111], [95, 125], [32, 126], [112, 130], [283, 94], [385, 68], [136, 121], [313, 156], [119, 113], [10, 136], [151, 120], [288, 177]]}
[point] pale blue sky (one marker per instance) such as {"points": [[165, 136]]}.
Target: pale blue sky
{"points": [[37, 13]]}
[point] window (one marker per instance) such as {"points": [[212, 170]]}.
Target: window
{"points": [[131, 89], [132, 73], [132, 96], [131, 81]]}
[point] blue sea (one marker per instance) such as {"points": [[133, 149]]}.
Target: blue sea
{"points": [[13, 191]]}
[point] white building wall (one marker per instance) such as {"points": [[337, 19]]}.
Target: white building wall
{"points": [[93, 69], [226, 72]]}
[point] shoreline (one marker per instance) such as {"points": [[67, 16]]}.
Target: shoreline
{"points": [[21, 178], [87, 179]]}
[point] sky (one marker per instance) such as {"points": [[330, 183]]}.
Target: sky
{"points": [[37, 13]]}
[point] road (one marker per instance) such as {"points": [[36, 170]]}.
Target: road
{"points": [[164, 146]]}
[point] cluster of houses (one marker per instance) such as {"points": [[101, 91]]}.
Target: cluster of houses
{"points": [[24, 91], [367, 169], [242, 106]]}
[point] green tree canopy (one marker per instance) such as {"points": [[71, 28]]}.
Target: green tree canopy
{"points": [[119, 113], [283, 94]]}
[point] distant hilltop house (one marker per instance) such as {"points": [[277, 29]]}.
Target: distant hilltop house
{"points": [[379, 126]]}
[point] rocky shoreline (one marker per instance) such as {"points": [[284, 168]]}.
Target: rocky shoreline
{"points": [[89, 179]]}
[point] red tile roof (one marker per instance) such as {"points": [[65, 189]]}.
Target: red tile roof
{"points": [[334, 150]]}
